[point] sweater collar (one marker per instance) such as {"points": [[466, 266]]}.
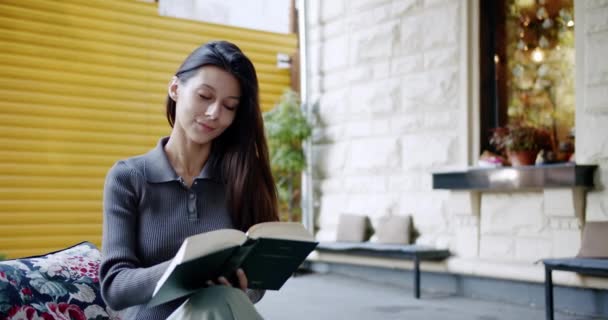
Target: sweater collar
{"points": [[158, 169]]}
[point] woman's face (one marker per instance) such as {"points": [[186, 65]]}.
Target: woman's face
{"points": [[206, 104]]}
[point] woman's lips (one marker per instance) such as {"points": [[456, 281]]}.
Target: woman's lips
{"points": [[205, 127]]}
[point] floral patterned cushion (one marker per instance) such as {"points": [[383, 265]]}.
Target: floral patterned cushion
{"points": [[60, 285]]}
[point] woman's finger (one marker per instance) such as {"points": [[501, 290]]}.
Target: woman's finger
{"points": [[240, 274], [224, 281]]}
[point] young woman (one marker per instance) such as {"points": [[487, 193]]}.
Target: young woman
{"points": [[212, 172]]}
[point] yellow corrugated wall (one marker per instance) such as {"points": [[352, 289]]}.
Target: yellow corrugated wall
{"points": [[82, 84]]}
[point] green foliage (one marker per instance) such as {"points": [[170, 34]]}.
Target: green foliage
{"points": [[286, 129]]}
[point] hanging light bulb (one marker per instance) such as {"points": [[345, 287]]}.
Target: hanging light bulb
{"points": [[538, 55], [543, 42], [542, 13]]}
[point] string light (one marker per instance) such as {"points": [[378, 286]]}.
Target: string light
{"points": [[538, 55]]}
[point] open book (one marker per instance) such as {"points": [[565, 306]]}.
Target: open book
{"points": [[269, 253]]}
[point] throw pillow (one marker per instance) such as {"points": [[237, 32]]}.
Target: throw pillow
{"points": [[59, 285], [352, 227], [393, 229], [595, 240]]}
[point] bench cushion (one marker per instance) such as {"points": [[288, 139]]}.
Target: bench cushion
{"points": [[385, 250], [59, 285]]}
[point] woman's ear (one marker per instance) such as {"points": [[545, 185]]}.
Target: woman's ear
{"points": [[173, 86]]}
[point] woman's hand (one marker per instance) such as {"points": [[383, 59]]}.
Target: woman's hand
{"points": [[240, 275]]}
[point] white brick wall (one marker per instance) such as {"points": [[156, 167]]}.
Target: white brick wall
{"points": [[394, 94], [591, 99], [388, 81]]}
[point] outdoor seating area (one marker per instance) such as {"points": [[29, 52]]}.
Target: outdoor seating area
{"points": [[387, 237], [592, 260]]}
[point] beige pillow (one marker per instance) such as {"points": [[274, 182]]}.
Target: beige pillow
{"points": [[595, 240], [352, 227], [393, 229]]}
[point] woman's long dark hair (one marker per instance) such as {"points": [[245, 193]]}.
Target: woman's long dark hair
{"points": [[240, 151]]}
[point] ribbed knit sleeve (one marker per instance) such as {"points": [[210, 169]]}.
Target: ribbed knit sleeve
{"points": [[124, 282]]}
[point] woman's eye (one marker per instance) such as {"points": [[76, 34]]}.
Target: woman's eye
{"points": [[204, 97], [231, 108]]}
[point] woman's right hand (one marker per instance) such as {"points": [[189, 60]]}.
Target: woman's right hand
{"points": [[240, 275]]}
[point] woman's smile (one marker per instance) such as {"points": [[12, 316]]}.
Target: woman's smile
{"points": [[204, 127]]}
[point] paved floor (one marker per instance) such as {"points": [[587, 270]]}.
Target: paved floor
{"points": [[331, 296]]}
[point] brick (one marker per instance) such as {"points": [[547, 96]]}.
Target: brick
{"points": [[329, 159], [596, 20], [530, 249], [374, 155], [466, 242], [372, 205], [334, 29], [594, 4], [565, 243], [366, 129], [597, 205], [335, 54], [369, 18], [463, 203], [365, 184], [360, 5], [511, 213], [375, 98], [437, 88], [496, 247], [368, 72], [591, 137], [374, 43], [596, 68], [441, 58], [426, 207], [331, 10], [410, 36], [446, 33], [411, 181], [558, 202], [406, 7], [331, 185], [314, 12], [407, 65], [333, 105], [425, 122], [427, 151]]}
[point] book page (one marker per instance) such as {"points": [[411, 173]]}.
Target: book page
{"points": [[205, 243], [280, 230]]}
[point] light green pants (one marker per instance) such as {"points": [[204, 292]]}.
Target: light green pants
{"points": [[217, 303]]}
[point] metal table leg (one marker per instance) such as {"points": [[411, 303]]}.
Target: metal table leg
{"points": [[548, 293], [416, 277]]}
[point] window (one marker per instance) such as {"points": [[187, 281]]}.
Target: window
{"points": [[527, 67]]}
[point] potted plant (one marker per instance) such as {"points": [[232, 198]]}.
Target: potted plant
{"points": [[521, 143], [286, 128]]}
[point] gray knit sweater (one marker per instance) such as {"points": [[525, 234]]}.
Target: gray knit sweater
{"points": [[148, 212]]}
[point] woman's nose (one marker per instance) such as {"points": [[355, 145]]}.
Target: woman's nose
{"points": [[213, 110]]}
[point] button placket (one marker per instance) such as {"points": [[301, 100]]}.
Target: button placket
{"points": [[192, 211]]}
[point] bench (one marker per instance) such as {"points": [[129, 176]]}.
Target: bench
{"points": [[586, 266], [415, 252]]}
